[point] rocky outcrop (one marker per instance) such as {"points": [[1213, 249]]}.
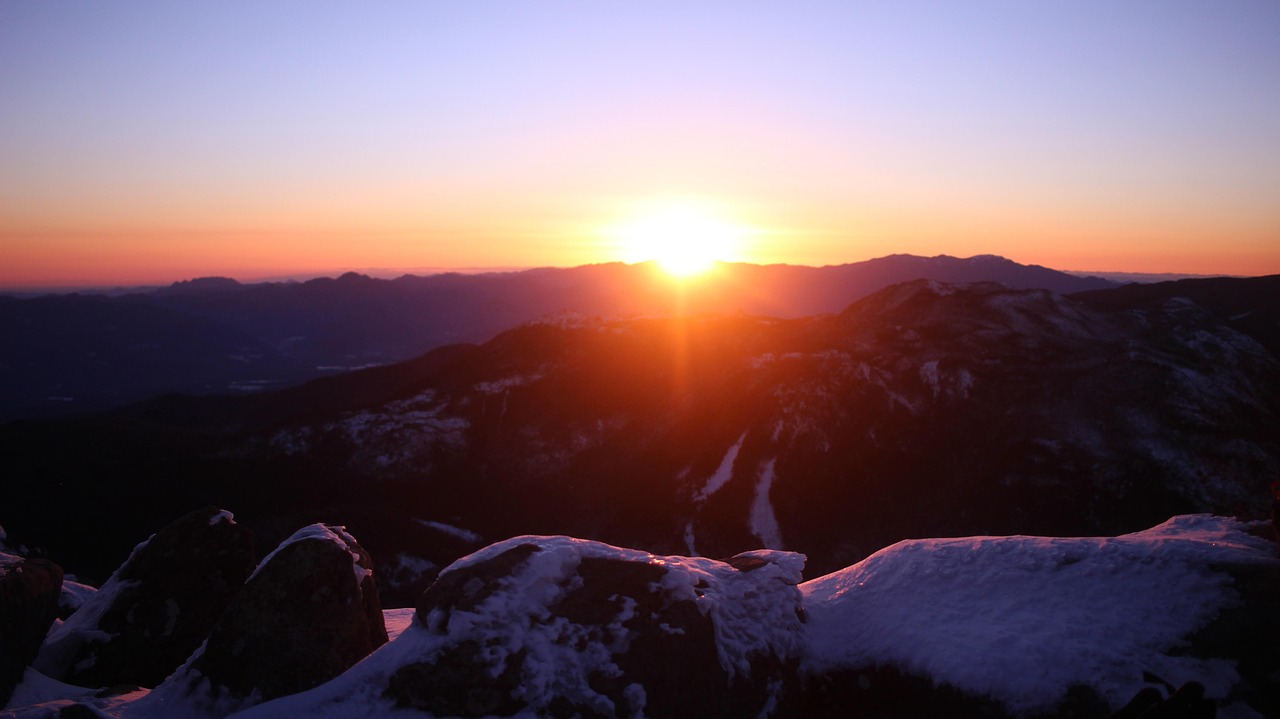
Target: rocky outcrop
{"points": [[307, 614], [553, 627], [566, 627], [29, 591], [157, 607]]}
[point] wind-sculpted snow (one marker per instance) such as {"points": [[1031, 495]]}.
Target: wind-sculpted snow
{"points": [[1022, 619]]}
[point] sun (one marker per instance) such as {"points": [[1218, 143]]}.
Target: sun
{"points": [[685, 237]]}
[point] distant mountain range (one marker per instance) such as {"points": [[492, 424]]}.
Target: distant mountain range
{"points": [[922, 410], [69, 354]]}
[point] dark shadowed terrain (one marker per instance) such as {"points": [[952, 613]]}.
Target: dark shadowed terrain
{"points": [[923, 410]]}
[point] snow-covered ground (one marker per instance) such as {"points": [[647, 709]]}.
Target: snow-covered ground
{"points": [[1022, 619], [1016, 619]]}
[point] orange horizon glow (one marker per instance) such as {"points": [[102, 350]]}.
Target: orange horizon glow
{"points": [[685, 232], [118, 259], [424, 135], [88, 269]]}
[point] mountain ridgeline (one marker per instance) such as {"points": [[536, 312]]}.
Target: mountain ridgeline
{"points": [[70, 354], [923, 410]]}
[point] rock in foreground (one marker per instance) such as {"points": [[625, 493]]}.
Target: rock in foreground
{"points": [[157, 607], [553, 626], [308, 613], [29, 591]]}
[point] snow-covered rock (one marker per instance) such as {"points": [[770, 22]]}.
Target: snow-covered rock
{"points": [[1024, 620], [308, 613], [29, 590], [553, 626], [156, 608], [548, 627]]}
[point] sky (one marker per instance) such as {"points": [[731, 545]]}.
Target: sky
{"points": [[149, 141]]}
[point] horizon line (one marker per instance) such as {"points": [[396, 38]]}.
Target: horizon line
{"points": [[391, 273]]}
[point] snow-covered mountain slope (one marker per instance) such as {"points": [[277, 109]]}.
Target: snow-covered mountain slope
{"points": [[922, 410]]}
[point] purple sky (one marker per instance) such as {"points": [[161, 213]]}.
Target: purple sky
{"points": [[149, 141]]}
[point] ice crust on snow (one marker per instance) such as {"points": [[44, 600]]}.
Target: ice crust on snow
{"points": [[1021, 619]]}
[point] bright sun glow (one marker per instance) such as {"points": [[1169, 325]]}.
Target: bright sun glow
{"points": [[684, 237]]}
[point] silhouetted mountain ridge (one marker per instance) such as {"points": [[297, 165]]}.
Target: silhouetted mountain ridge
{"points": [[246, 337]]}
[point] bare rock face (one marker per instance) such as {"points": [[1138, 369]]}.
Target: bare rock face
{"points": [[29, 591], [564, 627], [157, 607], [308, 613]]}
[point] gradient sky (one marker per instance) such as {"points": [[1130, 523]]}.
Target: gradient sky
{"points": [[150, 141]]}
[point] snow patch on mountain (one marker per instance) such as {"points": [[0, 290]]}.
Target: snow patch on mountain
{"points": [[690, 540], [763, 521], [955, 384], [397, 435], [449, 529], [809, 392], [506, 384], [723, 473], [405, 420]]}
